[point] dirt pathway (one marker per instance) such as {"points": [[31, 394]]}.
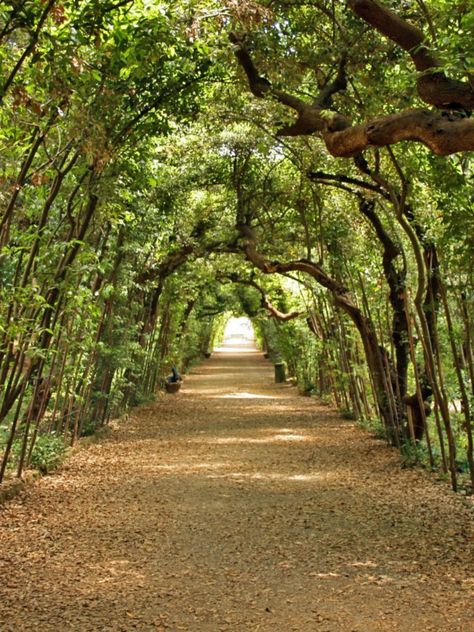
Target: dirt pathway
{"points": [[236, 506]]}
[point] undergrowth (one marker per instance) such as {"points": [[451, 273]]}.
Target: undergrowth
{"points": [[49, 452]]}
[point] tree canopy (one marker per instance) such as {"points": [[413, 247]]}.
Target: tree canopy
{"points": [[166, 164]]}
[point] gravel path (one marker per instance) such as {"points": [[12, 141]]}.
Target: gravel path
{"points": [[237, 506]]}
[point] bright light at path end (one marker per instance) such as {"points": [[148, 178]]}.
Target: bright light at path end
{"points": [[238, 329]]}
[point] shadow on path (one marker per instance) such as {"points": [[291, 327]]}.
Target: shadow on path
{"points": [[237, 505]]}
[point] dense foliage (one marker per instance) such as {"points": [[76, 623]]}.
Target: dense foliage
{"points": [[165, 165]]}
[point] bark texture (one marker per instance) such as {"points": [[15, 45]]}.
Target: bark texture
{"points": [[434, 87], [444, 132]]}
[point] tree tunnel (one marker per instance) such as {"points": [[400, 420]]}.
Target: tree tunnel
{"points": [[167, 165]]}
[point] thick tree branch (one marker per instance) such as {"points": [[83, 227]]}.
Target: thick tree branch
{"points": [[407, 36], [324, 98], [167, 266], [309, 118], [433, 86], [443, 133], [275, 313], [249, 246], [391, 248]]}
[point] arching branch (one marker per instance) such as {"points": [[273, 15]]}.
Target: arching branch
{"points": [[443, 133], [322, 177], [339, 291], [434, 87], [264, 301], [343, 299]]}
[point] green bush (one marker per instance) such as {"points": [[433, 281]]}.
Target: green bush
{"points": [[49, 452], [89, 428]]}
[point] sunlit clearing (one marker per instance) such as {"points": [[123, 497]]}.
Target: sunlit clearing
{"points": [[238, 336]]}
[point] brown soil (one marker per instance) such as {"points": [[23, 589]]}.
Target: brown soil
{"points": [[237, 505]]}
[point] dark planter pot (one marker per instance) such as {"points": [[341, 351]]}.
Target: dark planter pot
{"points": [[280, 372], [172, 387]]}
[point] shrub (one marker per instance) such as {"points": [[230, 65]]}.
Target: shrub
{"points": [[49, 452]]}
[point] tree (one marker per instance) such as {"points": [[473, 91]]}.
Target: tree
{"points": [[446, 132]]}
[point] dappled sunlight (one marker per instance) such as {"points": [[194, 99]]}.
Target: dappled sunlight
{"points": [[116, 571], [270, 435], [234, 484], [216, 393], [244, 395], [276, 476], [291, 437], [187, 466], [230, 470], [369, 564], [221, 375], [272, 439]]}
